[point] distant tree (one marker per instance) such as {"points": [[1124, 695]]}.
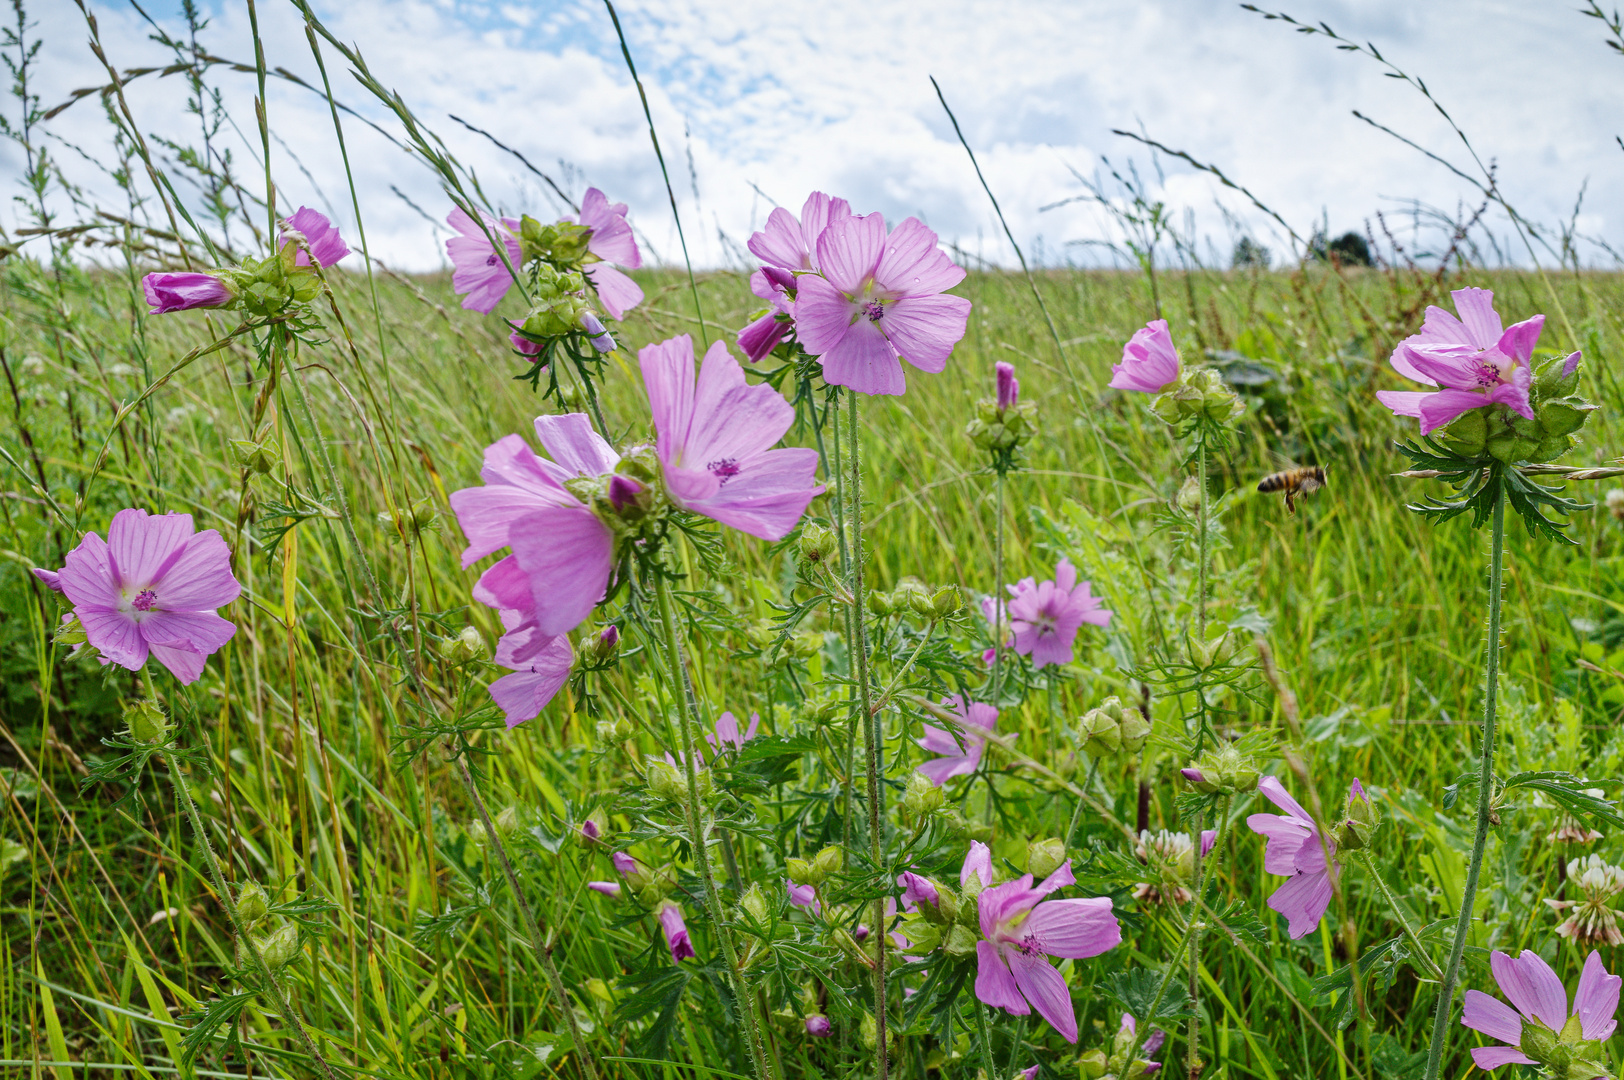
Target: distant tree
{"points": [[1349, 249], [1249, 255]]}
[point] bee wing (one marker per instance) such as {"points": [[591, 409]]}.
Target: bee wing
{"points": [[1282, 463]]}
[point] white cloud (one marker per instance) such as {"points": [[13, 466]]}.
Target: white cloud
{"points": [[836, 95]]}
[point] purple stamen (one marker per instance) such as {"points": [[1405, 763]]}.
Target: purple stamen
{"points": [[143, 600], [873, 310]]}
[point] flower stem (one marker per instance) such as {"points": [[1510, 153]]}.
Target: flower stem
{"points": [[850, 611], [1485, 789], [538, 941], [229, 902], [689, 710], [871, 726], [986, 1040], [998, 593], [1201, 586], [1398, 913]]}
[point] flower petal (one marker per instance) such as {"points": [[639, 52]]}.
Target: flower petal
{"points": [[140, 546], [1492, 1057], [617, 292], [914, 263], [86, 577], [1529, 983], [572, 443], [1492, 1017], [1073, 928], [522, 695], [1285, 839], [1403, 402], [1596, 1000], [568, 554], [995, 984], [1443, 406], [849, 251], [114, 634], [1272, 789], [1303, 901], [198, 577], [1477, 315], [924, 329], [1046, 989], [864, 361], [1520, 338]]}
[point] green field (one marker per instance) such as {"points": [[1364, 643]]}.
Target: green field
{"points": [[321, 773]]}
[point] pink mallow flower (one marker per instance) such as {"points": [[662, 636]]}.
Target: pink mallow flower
{"points": [[917, 889], [879, 301], [1009, 390], [477, 269], [715, 438], [977, 864], [1297, 851], [152, 588], [1126, 1032], [320, 235], [675, 931], [818, 1026], [803, 896], [1150, 363], [786, 247], [1541, 1001], [1045, 616], [614, 245], [182, 291], [776, 286], [1469, 360], [728, 735], [1020, 927], [974, 725], [607, 888]]}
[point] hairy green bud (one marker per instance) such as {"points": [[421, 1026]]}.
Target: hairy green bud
{"points": [[922, 798], [251, 903], [1099, 734], [754, 903], [817, 544], [148, 722], [256, 457], [946, 600], [280, 947], [1044, 857], [466, 647]]}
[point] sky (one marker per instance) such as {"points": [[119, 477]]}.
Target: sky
{"points": [[758, 103]]}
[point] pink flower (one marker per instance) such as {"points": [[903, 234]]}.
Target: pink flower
{"points": [[1020, 927], [477, 269], [1045, 616], [1469, 359], [1147, 1049], [1295, 850], [602, 340], [607, 888], [1030, 1072], [805, 896], [1149, 361], [715, 438], [1540, 1000], [974, 725], [152, 588], [675, 931], [776, 286], [624, 864], [523, 345], [614, 245], [916, 890], [182, 291], [320, 235], [818, 1026], [793, 244], [879, 300], [540, 666], [1009, 391], [998, 622], [728, 734]]}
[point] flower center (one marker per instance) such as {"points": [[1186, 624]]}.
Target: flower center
{"points": [[1488, 374], [725, 469], [491, 260], [143, 600], [874, 310]]}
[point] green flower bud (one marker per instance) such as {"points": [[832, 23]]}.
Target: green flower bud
{"points": [[1044, 857], [251, 903], [256, 457], [1189, 496], [464, 648], [912, 594], [507, 821], [280, 947], [922, 798], [827, 861], [1215, 652], [1091, 1065], [666, 781], [817, 544], [1563, 416], [879, 604], [1135, 731], [801, 872], [946, 601], [148, 722], [1099, 734], [617, 730], [754, 903]]}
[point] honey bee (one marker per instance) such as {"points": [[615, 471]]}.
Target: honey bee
{"points": [[1294, 482]]}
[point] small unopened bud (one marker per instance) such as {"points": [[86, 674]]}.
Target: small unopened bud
{"points": [[594, 827], [466, 647], [880, 604], [1044, 857], [754, 903], [801, 873], [597, 332], [946, 601], [1225, 770], [1009, 388], [818, 1026], [1217, 652], [280, 947], [1092, 1065], [1189, 496], [665, 781], [921, 798], [828, 860], [507, 821], [912, 594], [605, 645], [1099, 734], [817, 544], [251, 903], [147, 721], [617, 730], [1135, 731], [256, 457]]}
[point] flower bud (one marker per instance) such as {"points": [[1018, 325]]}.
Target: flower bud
{"points": [[881, 605], [1044, 857], [1189, 496], [255, 457], [466, 647], [1135, 731], [1092, 1065], [801, 872], [617, 730], [945, 602], [1224, 770], [1215, 652], [1467, 433], [922, 798], [506, 821], [818, 1026], [1099, 733], [601, 340], [754, 903], [605, 645], [666, 781], [280, 947], [594, 827], [817, 544], [827, 861], [148, 722], [251, 903], [912, 594]]}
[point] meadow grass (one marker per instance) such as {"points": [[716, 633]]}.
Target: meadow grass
{"points": [[322, 776]]}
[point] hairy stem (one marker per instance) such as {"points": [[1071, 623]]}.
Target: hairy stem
{"points": [[871, 724], [538, 941], [1421, 953], [689, 710], [998, 593], [1485, 791], [229, 902]]}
